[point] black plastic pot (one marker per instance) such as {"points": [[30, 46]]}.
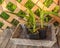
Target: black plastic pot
{"points": [[42, 33], [34, 36]]}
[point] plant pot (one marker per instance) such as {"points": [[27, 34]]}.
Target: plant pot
{"points": [[42, 33], [34, 36], [29, 43]]}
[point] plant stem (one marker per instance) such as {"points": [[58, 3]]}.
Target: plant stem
{"points": [[33, 19], [42, 18]]}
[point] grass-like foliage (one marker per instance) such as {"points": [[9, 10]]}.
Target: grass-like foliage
{"points": [[31, 22]]}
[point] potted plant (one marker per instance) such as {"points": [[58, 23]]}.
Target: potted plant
{"points": [[31, 25], [37, 30], [43, 28], [43, 14]]}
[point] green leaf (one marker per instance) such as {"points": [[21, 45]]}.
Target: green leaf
{"points": [[10, 6], [31, 20], [42, 13], [56, 9], [4, 15]]}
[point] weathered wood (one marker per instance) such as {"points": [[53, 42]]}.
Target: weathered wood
{"points": [[29, 42], [42, 6], [25, 43], [55, 17], [16, 33], [8, 24], [5, 38], [21, 46], [20, 6], [10, 45], [3, 45]]}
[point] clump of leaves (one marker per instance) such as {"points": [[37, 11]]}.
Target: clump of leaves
{"points": [[31, 22], [29, 4], [42, 13], [4, 15], [10, 6]]}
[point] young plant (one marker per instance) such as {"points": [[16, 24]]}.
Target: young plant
{"points": [[31, 22], [42, 13]]}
